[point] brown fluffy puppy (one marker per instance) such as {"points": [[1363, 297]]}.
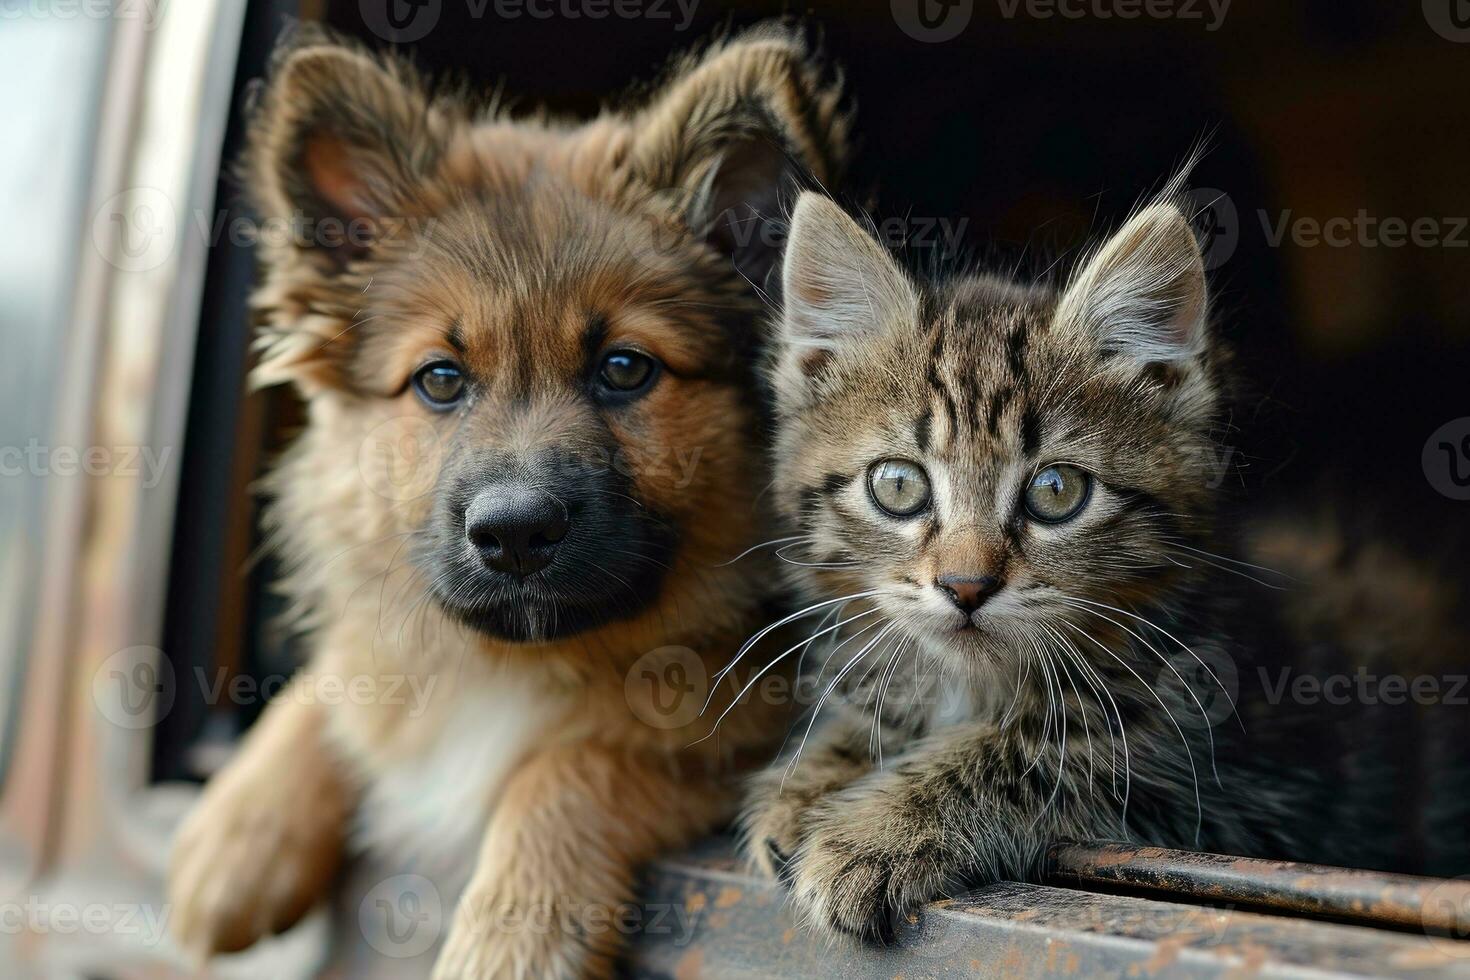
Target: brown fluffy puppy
{"points": [[524, 347]]}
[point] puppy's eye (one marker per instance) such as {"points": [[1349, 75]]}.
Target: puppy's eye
{"points": [[440, 384], [627, 370], [899, 486], [1058, 493]]}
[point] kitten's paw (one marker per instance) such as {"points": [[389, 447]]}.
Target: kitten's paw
{"points": [[245, 865], [771, 825], [857, 875]]}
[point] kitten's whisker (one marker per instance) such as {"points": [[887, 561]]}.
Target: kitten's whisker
{"points": [[758, 547], [1022, 676], [1204, 715], [781, 554], [837, 646], [1117, 713], [1233, 561], [1100, 691], [828, 692], [755, 678], [1062, 747], [875, 742], [764, 631], [1236, 571], [834, 613], [1184, 741], [1070, 653], [1047, 721], [1184, 646], [1082, 709]]}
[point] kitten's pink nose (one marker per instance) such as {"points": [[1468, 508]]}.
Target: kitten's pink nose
{"points": [[968, 592]]}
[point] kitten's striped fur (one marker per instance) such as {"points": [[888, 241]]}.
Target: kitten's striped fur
{"points": [[1085, 699]]}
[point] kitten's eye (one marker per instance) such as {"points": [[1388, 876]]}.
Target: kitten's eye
{"points": [[1057, 493], [440, 384], [627, 370], [899, 486]]}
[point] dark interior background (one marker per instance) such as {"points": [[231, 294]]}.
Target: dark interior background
{"points": [[1038, 132]]}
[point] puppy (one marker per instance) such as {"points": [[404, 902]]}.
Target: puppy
{"points": [[525, 348]]}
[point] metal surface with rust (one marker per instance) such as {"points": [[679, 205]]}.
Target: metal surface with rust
{"points": [[1371, 897], [716, 920]]}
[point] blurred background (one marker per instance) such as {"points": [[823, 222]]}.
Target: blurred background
{"points": [[1333, 201]]}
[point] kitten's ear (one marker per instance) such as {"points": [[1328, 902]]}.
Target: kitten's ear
{"points": [[341, 141], [1143, 295], [838, 285], [733, 135]]}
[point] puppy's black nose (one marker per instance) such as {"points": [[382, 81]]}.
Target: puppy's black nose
{"points": [[515, 530], [968, 592]]}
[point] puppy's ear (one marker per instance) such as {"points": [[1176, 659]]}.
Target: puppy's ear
{"points": [[839, 287], [736, 132], [340, 148]]}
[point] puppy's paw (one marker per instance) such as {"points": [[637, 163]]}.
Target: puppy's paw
{"points": [[493, 937], [858, 870], [248, 864]]}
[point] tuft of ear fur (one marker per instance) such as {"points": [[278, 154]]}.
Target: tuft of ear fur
{"points": [[838, 284], [341, 140], [1143, 294], [737, 130]]}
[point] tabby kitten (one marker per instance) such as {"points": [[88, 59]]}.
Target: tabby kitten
{"points": [[1002, 501]]}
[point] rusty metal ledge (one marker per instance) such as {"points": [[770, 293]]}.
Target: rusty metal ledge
{"points": [[722, 922], [1368, 897]]}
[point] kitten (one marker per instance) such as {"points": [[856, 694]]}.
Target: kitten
{"points": [[1002, 495]]}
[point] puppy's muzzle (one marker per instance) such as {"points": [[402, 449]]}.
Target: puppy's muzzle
{"points": [[515, 530]]}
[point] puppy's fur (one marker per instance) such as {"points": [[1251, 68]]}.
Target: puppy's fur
{"points": [[521, 248]]}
